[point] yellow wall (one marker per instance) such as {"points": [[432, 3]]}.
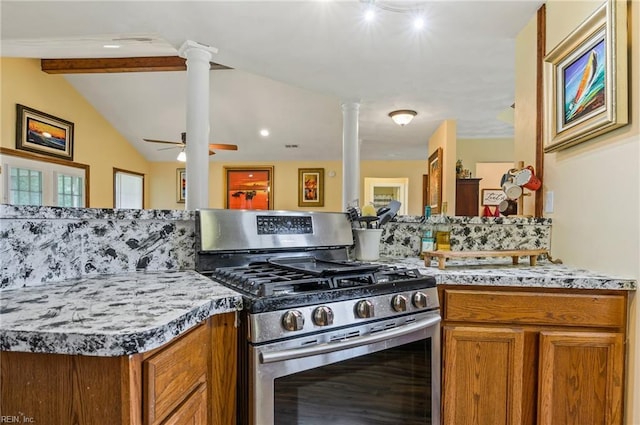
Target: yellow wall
{"points": [[445, 137], [96, 143], [163, 182], [473, 151], [525, 111], [595, 184]]}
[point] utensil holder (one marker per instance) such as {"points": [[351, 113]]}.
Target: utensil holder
{"points": [[367, 244]]}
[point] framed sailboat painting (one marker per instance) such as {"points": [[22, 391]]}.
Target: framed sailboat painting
{"points": [[586, 80]]}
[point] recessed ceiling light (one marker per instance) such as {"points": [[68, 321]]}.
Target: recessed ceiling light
{"points": [[418, 23], [369, 15], [264, 132], [111, 46]]}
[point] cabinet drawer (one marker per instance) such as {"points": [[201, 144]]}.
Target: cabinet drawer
{"points": [[172, 373], [608, 311]]}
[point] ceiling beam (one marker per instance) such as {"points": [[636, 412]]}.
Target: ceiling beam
{"points": [[107, 65]]}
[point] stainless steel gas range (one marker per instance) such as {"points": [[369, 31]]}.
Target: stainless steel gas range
{"points": [[324, 340]]}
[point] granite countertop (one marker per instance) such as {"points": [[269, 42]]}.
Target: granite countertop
{"points": [[109, 315], [114, 315], [501, 272]]}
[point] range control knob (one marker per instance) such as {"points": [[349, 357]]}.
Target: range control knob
{"points": [[364, 309], [293, 320], [399, 303], [323, 316], [420, 300]]}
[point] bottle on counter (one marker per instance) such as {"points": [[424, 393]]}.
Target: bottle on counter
{"points": [[428, 242], [443, 231]]}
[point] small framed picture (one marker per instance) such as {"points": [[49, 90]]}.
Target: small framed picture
{"points": [[310, 187], [435, 181], [181, 185], [493, 196], [43, 133]]}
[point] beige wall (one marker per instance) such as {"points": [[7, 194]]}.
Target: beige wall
{"points": [[96, 143], [445, 137], [163, 182], [472, 151], [596, 183]]}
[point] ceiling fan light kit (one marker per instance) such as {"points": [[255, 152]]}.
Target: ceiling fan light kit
{"points": [[402, 117], [182, 157]]}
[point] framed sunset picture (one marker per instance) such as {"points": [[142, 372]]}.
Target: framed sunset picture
{"points": [[249, 188], [585, 80], [43, 133]]}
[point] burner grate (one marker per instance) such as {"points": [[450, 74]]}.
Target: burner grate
{"points": [[262, 279]]}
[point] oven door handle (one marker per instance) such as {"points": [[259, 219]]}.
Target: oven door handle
{"points": [[330, 347]]}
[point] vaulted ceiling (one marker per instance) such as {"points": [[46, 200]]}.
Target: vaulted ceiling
{"points": [[293, 63]]}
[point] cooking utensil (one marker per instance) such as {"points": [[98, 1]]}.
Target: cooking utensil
{"points": [[386, 216], [369, 221]]}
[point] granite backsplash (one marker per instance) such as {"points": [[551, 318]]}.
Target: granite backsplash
{"points": [[52, 244], [403, 238]]}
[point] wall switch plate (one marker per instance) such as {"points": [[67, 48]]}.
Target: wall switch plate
{"points": [[548, 202]]}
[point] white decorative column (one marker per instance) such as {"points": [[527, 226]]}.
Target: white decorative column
{"points": [[350, 154], [198, 66]]}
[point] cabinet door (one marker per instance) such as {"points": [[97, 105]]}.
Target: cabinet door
{"points": [[193, 411], [581, 378], [483, 375], [173, 372]]}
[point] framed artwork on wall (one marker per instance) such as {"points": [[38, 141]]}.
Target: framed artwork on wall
{"points": [[310, 187], [43, 133], [585, 80], [248, 188], [435, 181], [181, 185]]}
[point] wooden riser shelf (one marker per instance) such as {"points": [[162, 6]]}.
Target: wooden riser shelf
{"points": [[514, 254]]}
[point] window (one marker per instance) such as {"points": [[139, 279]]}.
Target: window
{"points": [[128, 189], [29, 180], [25, 186], [70, 190]]}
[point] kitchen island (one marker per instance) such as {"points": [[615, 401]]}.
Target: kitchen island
{"points": [[131, 348]]}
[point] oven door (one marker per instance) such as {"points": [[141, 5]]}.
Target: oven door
{"points": [[388, 374]]}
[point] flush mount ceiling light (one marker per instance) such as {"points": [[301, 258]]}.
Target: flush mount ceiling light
{"points": [[415, 10], [402, 117]]}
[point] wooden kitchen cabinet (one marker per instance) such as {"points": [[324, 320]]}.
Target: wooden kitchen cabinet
{"points": [[484, 375], [467, 197], [190, 380], [532, 355], [193, 411], [171, 374]]}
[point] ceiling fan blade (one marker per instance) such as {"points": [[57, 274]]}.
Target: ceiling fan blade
{"points": [[223, 146], [163, 141], [170, 147]]}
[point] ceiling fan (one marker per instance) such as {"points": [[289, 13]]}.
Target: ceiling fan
{"points": [[183, 144]]}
